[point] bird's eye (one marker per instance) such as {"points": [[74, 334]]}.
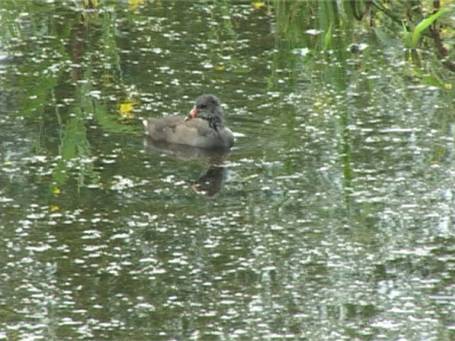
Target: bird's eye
{"points": [[202, 106]]}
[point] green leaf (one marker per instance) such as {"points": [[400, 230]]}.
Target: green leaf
{"points": [[424, 24], [328, 38]]}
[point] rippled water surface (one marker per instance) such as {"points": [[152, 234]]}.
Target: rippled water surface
{"points": [[332, 217]]}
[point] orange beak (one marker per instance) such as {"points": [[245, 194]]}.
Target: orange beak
{"points": [[192, 114]]}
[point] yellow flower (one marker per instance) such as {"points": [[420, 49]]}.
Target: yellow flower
{"points": [[258, 4], [56, 191], [54, 208], [126, 109], [134, 4]]}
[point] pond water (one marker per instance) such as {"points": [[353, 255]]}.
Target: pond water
{"points": [[332, 218]]}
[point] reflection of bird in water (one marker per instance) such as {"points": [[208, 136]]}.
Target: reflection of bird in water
{"points": [[209, 183]]}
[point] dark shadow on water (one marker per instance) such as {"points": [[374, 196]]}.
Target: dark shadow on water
{"points": [[211, 181]]}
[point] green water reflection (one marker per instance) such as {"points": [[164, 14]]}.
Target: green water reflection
{"points": [[331, 218]]}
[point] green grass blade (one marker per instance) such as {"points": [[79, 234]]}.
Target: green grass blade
{"points": [[423, 25], [328, 38]]}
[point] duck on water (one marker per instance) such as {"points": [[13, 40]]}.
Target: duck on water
{"points": [[202, 128]]}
